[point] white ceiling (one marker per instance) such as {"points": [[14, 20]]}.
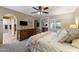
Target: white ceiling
{"points": [[53, 10]]}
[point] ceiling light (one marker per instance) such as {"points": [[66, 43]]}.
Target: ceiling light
{"points": [[40, 13]]}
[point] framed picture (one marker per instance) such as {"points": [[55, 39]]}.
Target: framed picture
{"points": [[6, 26]]}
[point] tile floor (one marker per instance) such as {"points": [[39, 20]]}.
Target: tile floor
{"points": [[8, 38]]}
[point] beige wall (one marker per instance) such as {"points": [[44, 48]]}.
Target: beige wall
{"points": [[66, 19], [1, 32], [30, 23], [77, 14]]}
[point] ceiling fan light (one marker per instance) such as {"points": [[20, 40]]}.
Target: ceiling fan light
{"points": [[40, 13]]}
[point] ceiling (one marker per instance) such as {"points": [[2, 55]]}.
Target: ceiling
{"points": [[53, 10]]}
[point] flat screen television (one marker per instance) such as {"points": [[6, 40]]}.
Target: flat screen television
{"points": [[23, 23]]}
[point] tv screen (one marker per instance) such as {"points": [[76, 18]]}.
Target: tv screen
{"points": [[23, 23]]}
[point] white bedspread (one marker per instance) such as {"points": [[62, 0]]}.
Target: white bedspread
{"points": [[46, 42]]}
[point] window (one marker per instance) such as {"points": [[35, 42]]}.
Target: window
{"points": [[56, 24]]}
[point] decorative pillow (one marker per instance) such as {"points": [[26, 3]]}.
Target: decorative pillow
{"points": [[75, 43], [61, 35], [73, 34], [64, 38], [59, 31]]}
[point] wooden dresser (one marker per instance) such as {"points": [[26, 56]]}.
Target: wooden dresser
{"points": [[44, 29], [25, 34]]}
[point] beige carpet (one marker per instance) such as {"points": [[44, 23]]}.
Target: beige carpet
{"points": [[14, 47]]}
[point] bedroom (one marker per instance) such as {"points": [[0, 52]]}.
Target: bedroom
{"points": [[46, 28]]}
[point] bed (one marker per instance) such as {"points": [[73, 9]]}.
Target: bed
{"points": [[50, 42]]}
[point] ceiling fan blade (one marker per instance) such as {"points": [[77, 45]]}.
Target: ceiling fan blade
{"points": [[35, 8], [40, 7], [34, 12], [45, 8], [45, 12]]}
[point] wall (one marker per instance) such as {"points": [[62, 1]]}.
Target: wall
{"points": [[1, 31], [77, 15], [30, 23], [66, 19]]}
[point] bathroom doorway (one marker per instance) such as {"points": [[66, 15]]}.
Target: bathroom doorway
{"points": [[9, 29]]}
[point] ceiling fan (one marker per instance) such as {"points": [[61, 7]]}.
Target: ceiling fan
{"points": [[40, 10]]}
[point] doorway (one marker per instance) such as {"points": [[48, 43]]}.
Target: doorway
{"points": [[9, 29]]}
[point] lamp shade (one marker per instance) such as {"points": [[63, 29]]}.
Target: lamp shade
{"points": [[74, 26]]}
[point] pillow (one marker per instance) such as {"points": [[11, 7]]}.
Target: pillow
{"points": [[73, 34], [59, 31], [64, 38], [75, 43], [61, 35]]}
